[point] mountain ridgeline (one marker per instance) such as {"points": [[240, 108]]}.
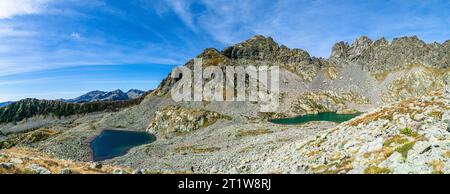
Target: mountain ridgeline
{"points": [[107, 96], [28, 108], [378, 58]]}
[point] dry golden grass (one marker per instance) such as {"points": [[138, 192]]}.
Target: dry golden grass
{"points": [[447, 154], [377, 170], [438, 166], [31, 156]]}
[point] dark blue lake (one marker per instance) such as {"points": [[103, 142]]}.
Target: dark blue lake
{"points": [[324, 116], [113, 143]]}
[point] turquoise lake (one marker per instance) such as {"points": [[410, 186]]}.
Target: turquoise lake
{"points": [[113, 143], [324, 116]]}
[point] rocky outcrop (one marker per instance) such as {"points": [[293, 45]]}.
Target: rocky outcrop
{"points": [[380, 55], [416, 81], [325, 101], [260, 48], [174, 120]]}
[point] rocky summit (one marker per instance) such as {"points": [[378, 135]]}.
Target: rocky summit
{"points": [[401, 89]]}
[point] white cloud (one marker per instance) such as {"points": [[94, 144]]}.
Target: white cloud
{"points": [[75, 35], [11, 8]]}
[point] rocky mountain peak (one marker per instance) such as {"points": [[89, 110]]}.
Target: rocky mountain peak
{"points": [[209, 53], [261, 48], [339, 50], [255, 48], [382, 56], [408, 40], [359, 46], [382, 42]]}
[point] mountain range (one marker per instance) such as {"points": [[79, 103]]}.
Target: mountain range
{"points": [[2, 104], [401, 87], [107, 96]]}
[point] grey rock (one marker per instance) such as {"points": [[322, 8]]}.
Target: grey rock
{"points": [[213, 170], [38, 169], [118, 171], [446, 119], [16, 160], [96, 165], [65, 171], [7, 165]]}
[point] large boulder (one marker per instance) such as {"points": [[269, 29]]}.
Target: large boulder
{"points": [[172, 120]]}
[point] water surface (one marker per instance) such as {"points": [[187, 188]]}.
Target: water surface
{"points": [[324, 116], [113, 143]]}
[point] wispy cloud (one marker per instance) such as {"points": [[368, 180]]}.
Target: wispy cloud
{"points": [[11, 8], [314, 25], [41, 43]]}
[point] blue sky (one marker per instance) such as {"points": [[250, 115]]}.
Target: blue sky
{"points": [[62, 48]]}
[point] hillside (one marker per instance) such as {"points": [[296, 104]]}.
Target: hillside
{"points": [[28, 108]]}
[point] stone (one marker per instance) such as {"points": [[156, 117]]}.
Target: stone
{"points": [[16, 160], [7, 165], [421, 147], [65, 171], [446, 119], [170, 120], [419, 117], [372, 146], [213, 169], [117, 171], [38, 169], [96, 165], [138, 171]]}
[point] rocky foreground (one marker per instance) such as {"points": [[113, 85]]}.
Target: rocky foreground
{"points": [[411, 136]]}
